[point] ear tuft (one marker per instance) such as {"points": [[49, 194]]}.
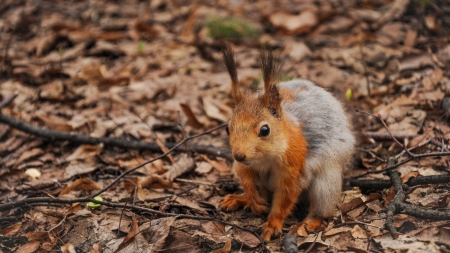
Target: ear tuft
{"points": [[271, 68], [230, 63]]}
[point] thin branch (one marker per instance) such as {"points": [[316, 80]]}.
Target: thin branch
{"points": [[52, 135], [398, 205], [419, 156], [154, 159], [383, 184], [389, 131]]}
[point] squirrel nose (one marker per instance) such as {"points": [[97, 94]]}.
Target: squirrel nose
{"points": [[239, 157]]}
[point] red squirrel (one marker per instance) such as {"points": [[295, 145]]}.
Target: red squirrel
{"points": [[289, 138]]}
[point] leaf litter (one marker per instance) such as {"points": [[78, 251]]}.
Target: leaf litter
{"points": [[108, 69]]}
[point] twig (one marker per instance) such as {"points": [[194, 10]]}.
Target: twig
{"points": [[372, 154], [399, 197], [419, 156], [389, 131], [366, 74], [383, 184], [398, 206], [312, 245], [154, 159], [385, 136], [108, 141]]}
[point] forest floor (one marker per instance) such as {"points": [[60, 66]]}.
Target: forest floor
{"points": [[149, 74]]}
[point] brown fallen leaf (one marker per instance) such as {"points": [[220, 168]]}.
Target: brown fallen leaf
{"points": [[225, 249], [165, 150], [358, 232], [183, 165], [96, 248], [85, 184], [130, 236], [68, 248], [221, 166], [246, 238], [294, 24], [29, 154], [29, 247], [193, 121], [214, 110], [156, 182], [356, 202], [189, 203], [411, 174], [11, 230]]}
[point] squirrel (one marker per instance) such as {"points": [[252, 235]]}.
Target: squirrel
{"points": [[290, 138]]}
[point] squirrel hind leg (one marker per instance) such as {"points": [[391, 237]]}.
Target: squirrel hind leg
{"points": [[325, 191]]}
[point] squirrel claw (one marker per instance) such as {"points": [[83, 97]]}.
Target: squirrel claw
{"points": [[269, 230], [233, 201], [312, 224]]}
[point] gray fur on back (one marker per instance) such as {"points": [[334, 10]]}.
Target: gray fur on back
{"points": [[324, 123]]}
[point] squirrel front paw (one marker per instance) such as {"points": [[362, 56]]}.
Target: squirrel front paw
{"points": [[233, 201], [271, 228]]}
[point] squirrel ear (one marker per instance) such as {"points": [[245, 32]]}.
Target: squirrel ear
{"points": [[230, 62], [271, 71]]}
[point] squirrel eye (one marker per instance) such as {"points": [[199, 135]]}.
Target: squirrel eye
{"points": [[228, 130], [264, 131]]}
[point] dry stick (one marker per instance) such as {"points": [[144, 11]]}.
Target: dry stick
{"points": [[107, 141], [383, 184], [391, 167], [399, 197], [389, 131], [398, 206], [366, 74], [156, 158], [384, 136]]}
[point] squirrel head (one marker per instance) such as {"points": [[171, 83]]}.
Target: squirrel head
{"points": [[257, 128]]}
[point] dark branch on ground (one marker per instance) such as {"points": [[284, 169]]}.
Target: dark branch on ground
{"points": [[398, 205], [52, 135], [383, 184]]}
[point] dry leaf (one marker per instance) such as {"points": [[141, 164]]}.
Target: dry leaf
{"points": [[358, 232], [193, 121], [214, 111], [11, 230], [85, 184], [29, 247], [155, 182], [165, 150], [29, 154], [184, 164], [225, 249], [221, 166], [294, 24], [130, 236], [68, 248]]}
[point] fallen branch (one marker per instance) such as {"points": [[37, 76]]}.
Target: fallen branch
{"points": [[397, 205], [387, 136], [383, 184], [52, 135]]}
